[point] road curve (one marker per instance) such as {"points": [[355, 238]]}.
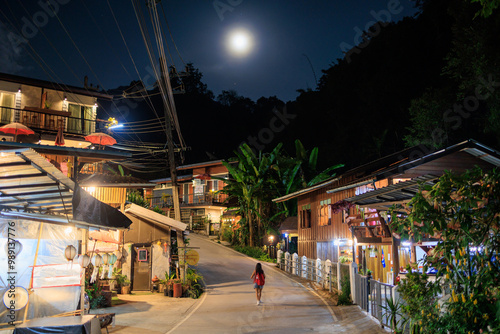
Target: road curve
{"points": [[230, 305]]}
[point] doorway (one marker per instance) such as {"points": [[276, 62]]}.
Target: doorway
{"points": [[141, 267]]}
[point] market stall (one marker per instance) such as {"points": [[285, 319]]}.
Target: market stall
{"points": [[44, 223]]}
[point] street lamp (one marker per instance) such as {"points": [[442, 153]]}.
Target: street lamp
{"points": [[271, 247]]}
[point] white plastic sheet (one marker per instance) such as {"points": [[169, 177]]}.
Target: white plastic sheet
{"points": [[51, 294]]}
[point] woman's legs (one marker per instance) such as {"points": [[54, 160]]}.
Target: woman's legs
{"points": [[257, 294]]}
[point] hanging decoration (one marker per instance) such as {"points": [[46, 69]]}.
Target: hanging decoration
{"points": [[165, 248], [96, 261], [70, 254], [112, 261], [105, 262], [84, 260]]}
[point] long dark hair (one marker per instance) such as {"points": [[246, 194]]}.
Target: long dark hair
{"points": [[258, 269]]}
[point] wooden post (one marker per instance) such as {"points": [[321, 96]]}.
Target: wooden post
{"points": [[395, 258], [31, 279], [82, 287]]}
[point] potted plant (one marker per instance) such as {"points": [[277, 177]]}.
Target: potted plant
{"points": [[177, 288], [169, 284], [121, 280], [125, 286]]}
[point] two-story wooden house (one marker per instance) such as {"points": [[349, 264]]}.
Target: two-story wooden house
{"points": [[199, 196], [47, 108], [347, 216]]}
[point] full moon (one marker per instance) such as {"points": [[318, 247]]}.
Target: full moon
{"points": [[240, 42]]}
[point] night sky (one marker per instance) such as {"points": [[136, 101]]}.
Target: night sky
{"points": [[285, 35]]}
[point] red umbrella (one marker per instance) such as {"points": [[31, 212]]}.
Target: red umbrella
{"points": [[100, 138], [60, 137], [16, 129]]}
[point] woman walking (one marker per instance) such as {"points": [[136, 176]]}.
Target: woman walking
{"points": [[259, 279]]}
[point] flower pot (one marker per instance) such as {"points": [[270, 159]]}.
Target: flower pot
{"points": [[177, 290], [125, 290]]}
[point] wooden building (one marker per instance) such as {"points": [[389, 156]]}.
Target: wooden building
{"points": [[199, 196], [345, 217]]}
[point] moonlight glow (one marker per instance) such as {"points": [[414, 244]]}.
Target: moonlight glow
{"points": [[240, 42]]}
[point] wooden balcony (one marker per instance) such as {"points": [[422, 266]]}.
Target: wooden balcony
{"points": [[49, 120], [206, 198]]}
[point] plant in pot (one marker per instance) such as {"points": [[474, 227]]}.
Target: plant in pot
{"points": [[121, 280], [125, 286], [177, 287], [169, 284]]}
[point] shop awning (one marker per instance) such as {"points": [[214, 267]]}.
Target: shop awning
{"points": [[398, 193], [33, 188], [154, 217]]}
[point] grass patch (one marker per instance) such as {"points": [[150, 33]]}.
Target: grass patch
{"points": [[142, 293], [115, 301], [255, 252]]}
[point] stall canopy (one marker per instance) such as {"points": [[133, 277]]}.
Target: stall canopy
{"points": [[33, 188], [154, 217]]}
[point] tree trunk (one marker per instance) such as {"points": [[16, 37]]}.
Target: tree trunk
{"points": [[259, 224], [250, 227]]}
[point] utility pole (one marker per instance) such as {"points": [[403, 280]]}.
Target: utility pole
{"points": [[170, 146]]}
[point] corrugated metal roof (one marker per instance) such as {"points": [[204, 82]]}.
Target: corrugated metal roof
{"points": [[108, 180], [33, 188], [396, 193]]}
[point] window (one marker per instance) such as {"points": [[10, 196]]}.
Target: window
{"points": [[305, 216], [8, 101], [215, 185], [324, 212], [80, 120], [185, 193]]}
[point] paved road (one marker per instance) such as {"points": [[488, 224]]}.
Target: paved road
{"points": [[230, 304]]}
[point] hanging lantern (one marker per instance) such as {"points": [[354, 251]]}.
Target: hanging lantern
{"points": [[105, 259], [96, 260], [13, 246], [70, 253], [118, 254], [112, 259], [84, 260]]}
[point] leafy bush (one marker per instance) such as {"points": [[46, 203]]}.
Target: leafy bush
{"points": [[345, 295], [94, 292], [255, 252], [194, 286], [461, 211]]}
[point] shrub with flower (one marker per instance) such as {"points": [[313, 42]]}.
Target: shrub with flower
{"points": [[463, 211]]}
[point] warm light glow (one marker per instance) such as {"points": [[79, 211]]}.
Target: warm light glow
{"points": [[406, 244], [91, 190], [350, 242], [68, 230], [240, 42]]}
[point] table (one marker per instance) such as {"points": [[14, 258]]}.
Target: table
{"points": [[86, 324]]}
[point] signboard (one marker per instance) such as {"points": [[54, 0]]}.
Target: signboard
{"points": [[191, 257]]}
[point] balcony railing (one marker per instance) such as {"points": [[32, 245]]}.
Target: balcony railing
{"points": [[207, 198], [50, 120]]}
